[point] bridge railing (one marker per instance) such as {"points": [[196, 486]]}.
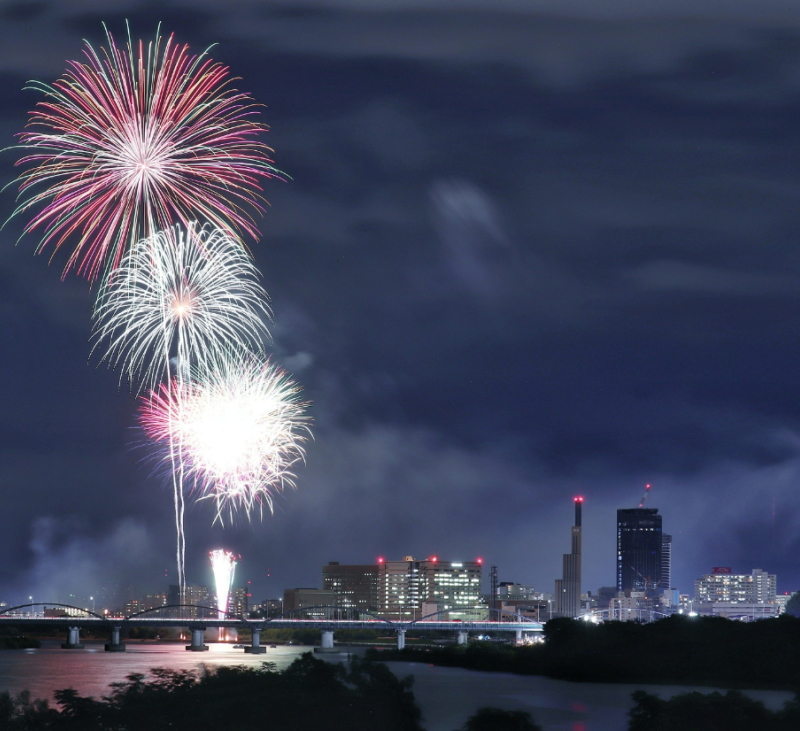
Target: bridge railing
{"points": [[192, 611], [82, 611]]}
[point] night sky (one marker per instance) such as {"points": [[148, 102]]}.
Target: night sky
{"points": [[523, 253]]}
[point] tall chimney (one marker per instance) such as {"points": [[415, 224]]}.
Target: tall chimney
{"points": [[578, 506]]}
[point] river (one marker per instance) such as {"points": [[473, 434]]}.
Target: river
{"points": [[447, 696]]}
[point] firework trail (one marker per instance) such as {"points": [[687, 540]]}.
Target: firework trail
{"points": [[192, 295], [241, 427], [223, 564], [132, 140]]}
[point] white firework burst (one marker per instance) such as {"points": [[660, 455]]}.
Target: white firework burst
{"points": [[191, 294], [241, 427]]}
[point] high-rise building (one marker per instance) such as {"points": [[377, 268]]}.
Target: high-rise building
{"points": [[356, 585], [567, 594], [398, 589], [238, 602], [198, 596], [666, 562], [452, 586], [639, 550]]}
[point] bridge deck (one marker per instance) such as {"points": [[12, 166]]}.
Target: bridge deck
{"points": [[279, 623]]}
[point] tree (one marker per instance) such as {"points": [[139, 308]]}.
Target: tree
{"points": [[497, 719], [793, 605]]}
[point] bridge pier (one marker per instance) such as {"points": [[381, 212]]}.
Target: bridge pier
{"points": [[73, 639], [461, 637], [401, 639], [115, 645], [197, 638], [256, 648], [519, 636], [327, 639]]}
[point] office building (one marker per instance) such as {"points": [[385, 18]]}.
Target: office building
{"points": [[455, 586], [355, 585], [567, 595], [509, 591], [271, 608], [398, 589], [452, 587], [757, 587], [639, 550], [314, 603]]}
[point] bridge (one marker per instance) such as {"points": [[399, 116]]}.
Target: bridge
{"points": [[197, 619]]}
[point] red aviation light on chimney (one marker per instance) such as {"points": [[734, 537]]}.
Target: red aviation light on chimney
{"points": [[578, 498]]}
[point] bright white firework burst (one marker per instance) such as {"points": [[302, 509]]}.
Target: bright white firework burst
{"points": [[241, 427], [192, 294], [223, 564]]}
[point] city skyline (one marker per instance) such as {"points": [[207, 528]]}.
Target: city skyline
{"points": [[561, 260]]}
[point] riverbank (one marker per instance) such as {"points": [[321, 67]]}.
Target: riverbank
{"points": [[700, 651], [18, 643]]}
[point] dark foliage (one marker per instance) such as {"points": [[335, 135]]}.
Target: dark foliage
{"points": [[496, 719], [18, 643], [710, 712], [793, 605], [680, 650], [309, 695]]}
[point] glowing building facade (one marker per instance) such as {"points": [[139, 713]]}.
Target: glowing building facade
{"points": [[454, 587], [398, 589]]}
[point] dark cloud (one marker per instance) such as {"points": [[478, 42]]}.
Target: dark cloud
{"points": [[521, 255], [22, 12]]}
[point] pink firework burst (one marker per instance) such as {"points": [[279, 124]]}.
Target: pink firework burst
{"points": [[131, 141]]}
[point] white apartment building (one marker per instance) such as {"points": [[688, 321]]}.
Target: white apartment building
{"points": [[757, 587]]}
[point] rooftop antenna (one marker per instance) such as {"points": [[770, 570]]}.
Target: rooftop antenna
{"points": [[646, 493]]}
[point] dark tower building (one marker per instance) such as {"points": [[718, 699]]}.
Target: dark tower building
{"points": [[568, 589], [639, 550], [356, 585]]}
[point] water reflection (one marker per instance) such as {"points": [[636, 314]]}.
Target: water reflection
{"points": [[447, 696]]}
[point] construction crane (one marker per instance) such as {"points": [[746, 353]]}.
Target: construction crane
{"points": [[646, 493]]}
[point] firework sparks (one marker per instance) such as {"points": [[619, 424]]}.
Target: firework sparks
{"points": [[190, 294], [130, 141], [241, 427], [223, 564], [193, 295]]}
